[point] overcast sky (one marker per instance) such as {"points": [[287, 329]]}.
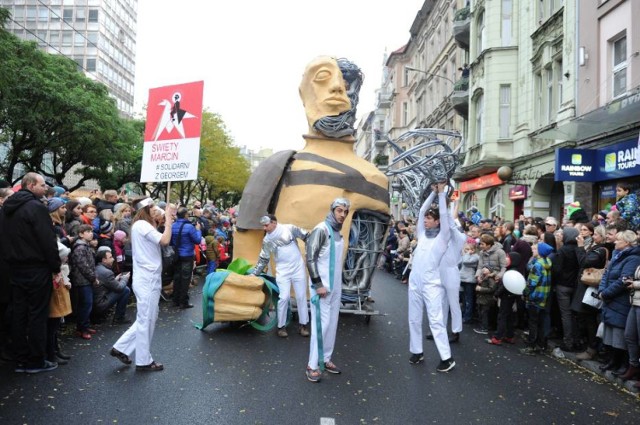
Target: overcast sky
{"points": [[251, 55]]}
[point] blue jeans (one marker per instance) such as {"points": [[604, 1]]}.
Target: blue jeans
{"points": [[469, 300], [120, 300], [85, 304]]}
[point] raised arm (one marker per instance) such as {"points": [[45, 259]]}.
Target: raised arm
{"points": [[445, 229]]}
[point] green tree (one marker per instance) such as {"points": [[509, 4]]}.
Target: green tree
{"points": [[222, 170], [54, 120]]}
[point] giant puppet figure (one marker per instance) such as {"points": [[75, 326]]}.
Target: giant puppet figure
{"points": [[298, 186]]}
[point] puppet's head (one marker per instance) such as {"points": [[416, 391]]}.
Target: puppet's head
{"points": [[329, 92]]}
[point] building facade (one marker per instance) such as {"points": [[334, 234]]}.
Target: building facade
{"points": [[99, 35]]}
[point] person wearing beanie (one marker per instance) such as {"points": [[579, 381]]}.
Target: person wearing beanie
{"points": [[281, 242], [576, 214], [565, 277], [105, 235], [119, 241], [324, 247], [536, 294]]}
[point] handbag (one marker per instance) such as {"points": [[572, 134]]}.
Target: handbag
{"points": [[592, 276], [170, 256], [590, 298]]}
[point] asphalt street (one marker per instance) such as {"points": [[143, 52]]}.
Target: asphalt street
{"points": [[229, 375]]}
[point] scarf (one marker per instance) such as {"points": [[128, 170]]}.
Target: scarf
{"points": [[333, 223], [432, 233]]}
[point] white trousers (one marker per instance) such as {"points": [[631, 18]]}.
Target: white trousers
{"points": [[138, 337], [451, 302], [329, 313], [428, 295], [299, 282]]}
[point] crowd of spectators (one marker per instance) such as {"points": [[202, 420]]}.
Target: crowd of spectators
{"points": [[551, 256], [67, 261]]}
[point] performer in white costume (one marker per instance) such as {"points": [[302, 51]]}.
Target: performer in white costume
{"points": [[324, 251], [280, 241], [425, 285], [146, 242], [450, 275]]}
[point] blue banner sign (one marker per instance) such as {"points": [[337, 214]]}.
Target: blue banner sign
{"points": [[593, 165]]}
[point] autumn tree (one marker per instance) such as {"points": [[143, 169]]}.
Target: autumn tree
{"points": [[222, 171]]}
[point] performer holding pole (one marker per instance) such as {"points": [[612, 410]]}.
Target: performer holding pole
{"points": [[425, 285]]}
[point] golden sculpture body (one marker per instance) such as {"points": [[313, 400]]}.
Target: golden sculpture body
{"points": [[325, 169]]}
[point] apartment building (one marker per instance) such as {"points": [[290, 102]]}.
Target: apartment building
{"points": [[604, 133], [100, 35]]}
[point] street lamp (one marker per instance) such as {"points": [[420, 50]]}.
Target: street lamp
{"points": [[430, 74]]}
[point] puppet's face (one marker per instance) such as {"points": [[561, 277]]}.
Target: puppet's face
{"points": [[323, 90]]}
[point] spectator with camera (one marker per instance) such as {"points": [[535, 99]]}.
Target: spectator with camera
{"points": [[184, 237]]}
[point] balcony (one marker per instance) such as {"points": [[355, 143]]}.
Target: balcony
{"points": [[385, 97], [460, 97], [462, 27]]}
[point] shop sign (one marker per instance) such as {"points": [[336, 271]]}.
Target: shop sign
{"points": [[592, 165], [481, 182], [575, 165], [518, 192]]}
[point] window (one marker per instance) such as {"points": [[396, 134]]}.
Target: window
{"points": [[55, 14], [507, 12], [93, 15], [43, 14], [78, 40], [496, 207], [505, 111], [81, 15], [91, 65], [54, 39], [67, 38], [92, 38], [479, 117], [31, 13], [481, 34], [619, 66], [558, 78], [539, 99], [470, 200], [405, 113], [406, 77], [550, 103], [67, 15]]}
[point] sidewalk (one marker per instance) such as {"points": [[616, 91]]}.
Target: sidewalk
{"points": [[592, 366]]}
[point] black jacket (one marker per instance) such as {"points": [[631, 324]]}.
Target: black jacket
{"points": [[566, 267], [28, 238]]}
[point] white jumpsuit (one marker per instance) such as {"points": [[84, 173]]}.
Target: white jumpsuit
{"points": [[281, 243], [330, 303], [425, 285], [147, 283], [450, 275]]}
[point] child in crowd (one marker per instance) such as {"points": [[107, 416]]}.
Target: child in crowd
{"points": [[59, 307], [83, 277], [223, 257], [627, 205], [506, 304], [119, 240], [468, 280], [491, 266], [536, 294], [212, 253]]}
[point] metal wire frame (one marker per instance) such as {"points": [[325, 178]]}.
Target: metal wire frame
{"points": [[433, 159]]}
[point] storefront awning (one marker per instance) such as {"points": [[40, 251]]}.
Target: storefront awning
{"points": [[616, 115]]}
